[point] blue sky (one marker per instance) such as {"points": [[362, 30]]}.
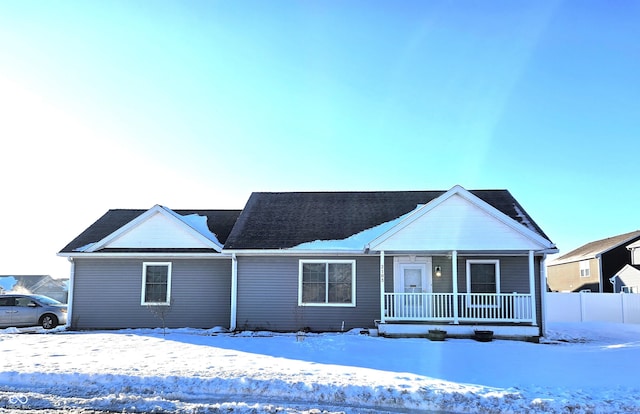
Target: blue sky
{"points": [[195, 104]]}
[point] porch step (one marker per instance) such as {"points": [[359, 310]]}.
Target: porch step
{"points": [[410, 330]]}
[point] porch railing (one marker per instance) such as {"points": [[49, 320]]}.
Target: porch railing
{"points": [[469, 307]]}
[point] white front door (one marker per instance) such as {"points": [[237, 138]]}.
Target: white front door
{"points": [[413, 277]]}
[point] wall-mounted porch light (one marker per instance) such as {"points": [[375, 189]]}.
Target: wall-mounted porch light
{"points": [[438, 270]]}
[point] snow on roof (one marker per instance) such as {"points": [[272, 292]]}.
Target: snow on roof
{"points": [[524, 219], [356, 242], [83, 248], [199, 224]]}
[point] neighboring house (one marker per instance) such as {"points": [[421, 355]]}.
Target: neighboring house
{"points": [[590, 267], [35, 284], [148, 268], [405, 261], [627, 279]]}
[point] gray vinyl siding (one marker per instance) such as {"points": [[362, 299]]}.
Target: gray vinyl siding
{"points": [[106, 294], [268, 297]]}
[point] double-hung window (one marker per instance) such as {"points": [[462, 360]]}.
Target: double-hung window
{"points": [[483, 276], [585, 271], [156, 283], [327, 283]]}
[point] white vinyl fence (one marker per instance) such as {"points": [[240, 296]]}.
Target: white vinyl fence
{"points": [[593, 307]]}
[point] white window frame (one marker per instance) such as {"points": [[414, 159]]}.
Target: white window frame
{"points": [[585, 269], [327, 262], [167, 301], [494, 262]]}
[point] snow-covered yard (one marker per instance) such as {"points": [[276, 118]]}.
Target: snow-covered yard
{"points": [[583, 368]]}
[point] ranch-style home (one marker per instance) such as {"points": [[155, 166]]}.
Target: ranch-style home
{"points": [[403, 262]]}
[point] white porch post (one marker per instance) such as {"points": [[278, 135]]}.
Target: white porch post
{"points": [[454, 275], [532, 286], [382, 312]]}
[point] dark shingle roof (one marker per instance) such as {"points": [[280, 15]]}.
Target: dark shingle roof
{"points": [[590, 250], [219, 222], [284, 220]]}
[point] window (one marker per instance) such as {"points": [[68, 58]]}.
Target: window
{"points": [[584, 269], [483, 276], [156, 283], [24, 302], [630, 289], [327, 283]]}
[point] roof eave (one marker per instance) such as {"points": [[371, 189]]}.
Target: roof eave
{"points": [[294, 252], [139, 255]]}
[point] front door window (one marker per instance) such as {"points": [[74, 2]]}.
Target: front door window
{"points": [[412, 280]]}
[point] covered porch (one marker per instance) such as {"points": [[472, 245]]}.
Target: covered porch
{"points": [[459, 264], [441, 291]]}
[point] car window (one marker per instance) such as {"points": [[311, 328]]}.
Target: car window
{"points": [[24, 302], [47, 300], [6, 301]]}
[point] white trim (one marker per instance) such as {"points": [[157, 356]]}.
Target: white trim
{"points": [[71, 292], [167, 302], [543, 294], [478, 202], [157, 209], [234, 292], [145, 255], [382, 288], [532, 286], [424, 263], [292, 252], [454, 275], [323, 253], [496, 263], [326, 303]]}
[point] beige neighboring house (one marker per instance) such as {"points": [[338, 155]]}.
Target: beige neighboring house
{"points": [[592, 266]]}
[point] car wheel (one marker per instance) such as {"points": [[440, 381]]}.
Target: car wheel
{"points": [[49, 321]]}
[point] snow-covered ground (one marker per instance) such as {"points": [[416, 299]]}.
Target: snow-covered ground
{"points": [[583, 368]]}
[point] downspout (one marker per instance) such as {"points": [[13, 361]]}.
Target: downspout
{"points": [[382, 312], [72, 282], [600, 278], [234, 292], [543, 293]]}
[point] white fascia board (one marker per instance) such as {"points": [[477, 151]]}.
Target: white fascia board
{"points": [[130, 225], [289, 252], [546, 245], [157, 209], [141, 255]]}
